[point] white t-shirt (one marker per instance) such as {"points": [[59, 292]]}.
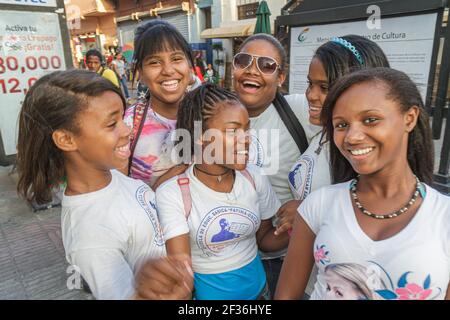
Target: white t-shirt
{"points": [[120, 67], [312, 169], [413, 264], [275, 151], [109, 233], [221, 226]]}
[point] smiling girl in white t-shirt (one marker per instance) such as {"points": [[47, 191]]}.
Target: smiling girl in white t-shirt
{"points": [[220, 211], [382, 216]]}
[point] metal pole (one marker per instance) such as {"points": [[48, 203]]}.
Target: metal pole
{"points": [[441, 94]]}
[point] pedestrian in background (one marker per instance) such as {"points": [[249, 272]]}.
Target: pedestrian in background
{"points": [[94, 62], [119, 68]]}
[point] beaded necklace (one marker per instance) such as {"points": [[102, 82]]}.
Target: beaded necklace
{"points": [[418, 191]]}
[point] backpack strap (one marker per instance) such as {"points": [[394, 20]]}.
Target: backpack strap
{"points": [[139, 116], [291, 122], [183, 183], [249, 177]]}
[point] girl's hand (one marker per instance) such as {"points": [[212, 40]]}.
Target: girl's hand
{"points": [[168, 278], [286, 216]]}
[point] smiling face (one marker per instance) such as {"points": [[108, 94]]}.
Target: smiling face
{"points": [[167, 76], [103, 140], [317, 90], [370, 130], [232, 123], [255, 89]]}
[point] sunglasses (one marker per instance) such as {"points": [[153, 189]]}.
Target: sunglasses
{"points": [[265, 65]]}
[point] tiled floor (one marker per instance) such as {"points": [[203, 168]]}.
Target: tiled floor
{"points": [[32, 262]]}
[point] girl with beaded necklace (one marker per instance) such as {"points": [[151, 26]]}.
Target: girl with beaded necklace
{"points": [[382, 212]]}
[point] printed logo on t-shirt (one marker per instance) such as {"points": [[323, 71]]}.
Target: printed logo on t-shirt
{"points": [[256, 151], [144, 197], [303, 168], [223, 228]]}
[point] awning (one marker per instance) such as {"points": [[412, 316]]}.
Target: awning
{"points": [[228, 32]]}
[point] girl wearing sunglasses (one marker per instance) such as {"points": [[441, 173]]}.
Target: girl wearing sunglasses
{"points": [[259, 72]]}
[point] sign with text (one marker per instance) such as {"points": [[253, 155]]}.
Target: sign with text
{"points": [[27, 51], [41, 3], [407, 42]]}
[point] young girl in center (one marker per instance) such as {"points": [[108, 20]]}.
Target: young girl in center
{"points": [[71, 127], [219, 211]]}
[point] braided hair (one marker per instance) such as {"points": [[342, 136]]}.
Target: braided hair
{"points": [[200, 105]]}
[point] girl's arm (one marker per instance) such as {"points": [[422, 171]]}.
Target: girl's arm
{"points": [[270, 239], [298, 262], [179, 246]]}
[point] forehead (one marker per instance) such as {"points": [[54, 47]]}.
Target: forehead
{"points": [[365, 96], [93, 58], [231, 112], [168, 45], [261, 48], [102, 106], [316, 70]]}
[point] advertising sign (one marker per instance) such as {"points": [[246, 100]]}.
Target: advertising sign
{"points": [[407, 42], [28, 50]]}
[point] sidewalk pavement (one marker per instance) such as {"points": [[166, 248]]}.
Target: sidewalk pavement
{"points": [[32, 261]]}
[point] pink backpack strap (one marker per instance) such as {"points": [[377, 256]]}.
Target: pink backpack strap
{"points": [[183, 183], [249, 177]]}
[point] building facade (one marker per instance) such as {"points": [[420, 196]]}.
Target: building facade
{"points": [[91, 25], [232, 22]]}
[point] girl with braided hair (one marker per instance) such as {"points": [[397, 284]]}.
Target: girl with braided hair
{"points": [[219, 211]]}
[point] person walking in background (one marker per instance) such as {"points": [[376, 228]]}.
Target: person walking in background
{"points": [[94, 62], [118, 66], [210, 74]]}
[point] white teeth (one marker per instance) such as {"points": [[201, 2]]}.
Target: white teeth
{"points": [[170, 84], [251, 83], [124, 148], [360, 152], [314, 109]]}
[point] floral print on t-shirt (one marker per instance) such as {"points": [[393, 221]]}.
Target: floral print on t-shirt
{"points": [[151, 156]]}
